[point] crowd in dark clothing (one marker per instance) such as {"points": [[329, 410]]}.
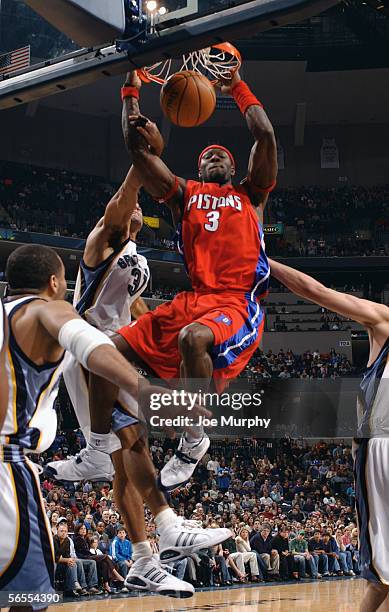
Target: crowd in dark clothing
{"points": [[287, 364], [336, 221]]}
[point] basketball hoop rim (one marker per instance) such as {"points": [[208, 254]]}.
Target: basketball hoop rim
{"points": [[191, 61]]}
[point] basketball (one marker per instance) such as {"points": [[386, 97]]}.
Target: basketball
{"points": [[188, 98]]}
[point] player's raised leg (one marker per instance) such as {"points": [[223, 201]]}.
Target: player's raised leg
{"points": [[195, 342]]}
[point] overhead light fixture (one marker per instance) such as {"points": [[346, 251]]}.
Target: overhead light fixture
{"points": [[151, 6], [162, 10]]}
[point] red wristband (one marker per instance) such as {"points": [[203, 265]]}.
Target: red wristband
{"points": [[244, 97], [129, 92], [171, 193]]}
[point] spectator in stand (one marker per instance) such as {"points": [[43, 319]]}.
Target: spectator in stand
{"points": [[105, 567], [345, 556], [248, 556], [102, 537], [112, 528], [316, 548], [330, 548], [121, 552], [231, 555], [280, 543], [80, 576], [302, 557], [262, 543]]}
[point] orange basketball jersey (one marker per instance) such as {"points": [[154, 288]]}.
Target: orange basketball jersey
{"points": [[221, 240]]}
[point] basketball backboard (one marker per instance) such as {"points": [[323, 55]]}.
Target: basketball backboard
{"points": [[172, 28]]}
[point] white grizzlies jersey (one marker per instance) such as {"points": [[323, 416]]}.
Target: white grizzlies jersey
{"points": [[31, 420], [104, 294]]}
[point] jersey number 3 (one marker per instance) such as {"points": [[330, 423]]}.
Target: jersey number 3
{"points": [[213, 218], [133, 288]]}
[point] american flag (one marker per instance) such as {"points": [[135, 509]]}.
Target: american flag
{"points": [[15, 60]]}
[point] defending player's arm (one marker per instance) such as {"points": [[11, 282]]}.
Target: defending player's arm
{"points": [[138, 308], [262, 168], [155, 176], [363, 311], [121, 206]]}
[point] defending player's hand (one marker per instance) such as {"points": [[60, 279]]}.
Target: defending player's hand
{"points": [[150, 132], [133, 80], [226, 85]]}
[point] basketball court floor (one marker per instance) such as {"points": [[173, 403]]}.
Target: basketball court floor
{"points": [[324, 596]]}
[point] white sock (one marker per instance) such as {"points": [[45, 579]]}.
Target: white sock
{"points": [[164, 519], [101, 442], [141, 549], [195, 435]]}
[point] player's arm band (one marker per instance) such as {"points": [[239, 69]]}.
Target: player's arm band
{"points": [[171, 193], [244, 97], [129, 92], [80, 339]]}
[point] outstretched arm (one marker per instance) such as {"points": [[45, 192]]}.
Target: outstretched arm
{"points": [[154, 175], [121, 206], [262, 168], [363, 311]]}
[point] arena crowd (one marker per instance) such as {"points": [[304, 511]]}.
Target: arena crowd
{"points": [[69, 204], [288, 503]]}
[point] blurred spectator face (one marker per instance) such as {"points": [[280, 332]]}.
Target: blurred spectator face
{"points": [[94, 543], [122, 534], [100, 527], [105, 516], [82, 531], [265, 533], [62, 531], [244, 534], [54, 518], [113, 519]]}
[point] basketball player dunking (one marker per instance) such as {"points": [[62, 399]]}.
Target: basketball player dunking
{"points": [[371, 448], [213, 331], [111, 279]]}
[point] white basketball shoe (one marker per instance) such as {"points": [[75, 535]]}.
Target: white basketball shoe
{"points": [[183, 538], [88, 464], [179, 469], [147, 574]]}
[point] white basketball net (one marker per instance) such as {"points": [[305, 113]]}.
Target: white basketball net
{"points": [[214, 63]]}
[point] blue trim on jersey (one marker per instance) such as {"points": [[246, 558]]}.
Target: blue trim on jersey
{"points": [[91, 278], [368, 388], [262, 270], [227, 352], [365, 549]]}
